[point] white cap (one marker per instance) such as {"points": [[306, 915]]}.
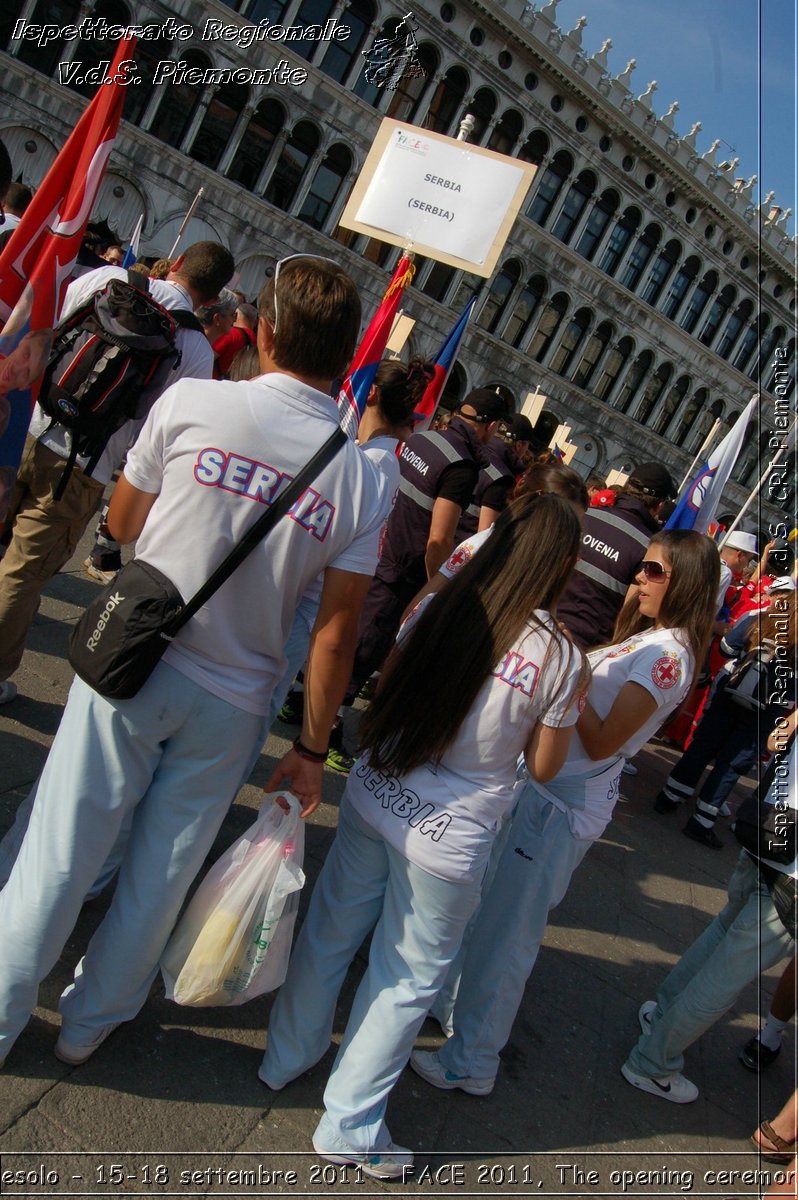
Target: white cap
{"points": [[740, 540], [784, 583]]}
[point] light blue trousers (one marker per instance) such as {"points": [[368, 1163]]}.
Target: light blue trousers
{"points": [[296, 651], [535, 866], [744, 940], [418, 922], [173, 757]]}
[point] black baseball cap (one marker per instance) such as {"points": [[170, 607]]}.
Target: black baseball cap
{"points": [[652, 479], [486, 404]]}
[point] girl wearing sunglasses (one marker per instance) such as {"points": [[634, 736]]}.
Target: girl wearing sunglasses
{"points": [[661, 636]]}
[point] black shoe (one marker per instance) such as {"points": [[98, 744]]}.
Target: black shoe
{"points": [[664, 804], [699, 833], [293, 710], [756, 1057]]}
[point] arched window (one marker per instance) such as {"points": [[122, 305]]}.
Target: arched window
{"points": [[549, 323], [535, 148], [666, 261], [573, 205], [614, 363], [467, 286], [218, 123], [596, 344], [701, 293], [326, 185], [749, 343], [438, 281], [179, 104], [291, 165], [447, 100], [733, 326], [311, 12], [654, 389], [673, 403], [339, 56], [506, 132], [8, 19], [95, 50], [570, 341], [255, 146], [498, 295], [409, 92], [619, 239], [137, 96], [520, 319], [482, 108], [690, 415], [702, 423], [633, 381], [638, 259], [549, 187], [680, 285], [58, 13], [272, 11], [763, 368], [716, 314], [596, 223]]}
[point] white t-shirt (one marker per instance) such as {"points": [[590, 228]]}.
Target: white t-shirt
{"points": [[196, 362], [215, 453], [656, 660], [465, 551], [444, 818]]}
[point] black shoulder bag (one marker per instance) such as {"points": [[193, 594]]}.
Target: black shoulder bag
{"points": [[122, 635]]}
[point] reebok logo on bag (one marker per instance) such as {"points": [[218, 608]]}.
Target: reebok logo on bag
{"points": [[103, 620], [104, 356], [752, 681]]}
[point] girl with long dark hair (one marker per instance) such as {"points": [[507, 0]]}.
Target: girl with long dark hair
{"points": [[484, 674], [661, 634]]}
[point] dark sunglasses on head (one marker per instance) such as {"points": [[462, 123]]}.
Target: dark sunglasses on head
{"points": [[654, 571]]}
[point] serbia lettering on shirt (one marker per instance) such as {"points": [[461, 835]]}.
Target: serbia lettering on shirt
{"points": [[444, 818]]}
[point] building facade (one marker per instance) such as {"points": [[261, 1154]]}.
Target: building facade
{"points": [[642, 288]]}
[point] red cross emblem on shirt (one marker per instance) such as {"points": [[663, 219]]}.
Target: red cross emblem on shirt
{"points": [[666, 672], [459, 558]]}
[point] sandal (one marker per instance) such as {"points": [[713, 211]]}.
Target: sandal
{"points": [[782, 1152]]}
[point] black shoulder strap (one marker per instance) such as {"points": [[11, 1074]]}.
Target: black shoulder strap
{"points": [[264, 524], [185, 319]]}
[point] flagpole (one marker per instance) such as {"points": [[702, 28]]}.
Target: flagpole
{"points": [[186, 220], [773, 463], [704, 446]]}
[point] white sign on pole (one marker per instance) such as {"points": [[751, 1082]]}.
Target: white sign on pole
{"points": [[444, 198]]}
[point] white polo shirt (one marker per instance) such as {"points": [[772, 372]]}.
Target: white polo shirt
{"points": [[196, 362], [215, 453]]}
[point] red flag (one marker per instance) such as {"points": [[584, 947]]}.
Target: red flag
{"points": [[357, 385], [37, 261]]}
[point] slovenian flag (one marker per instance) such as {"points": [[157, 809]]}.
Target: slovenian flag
{"points": [[37, 261], [132, 252], [698, 505], [443, 363], [356, 387]]}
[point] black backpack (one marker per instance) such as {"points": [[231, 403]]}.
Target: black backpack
{"points": [[752, 679], [103, 357]]}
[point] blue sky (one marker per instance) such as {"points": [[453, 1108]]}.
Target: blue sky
{"points": [[731, 64]]}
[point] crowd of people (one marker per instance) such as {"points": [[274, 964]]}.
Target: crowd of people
{"points": [[573, 628]]}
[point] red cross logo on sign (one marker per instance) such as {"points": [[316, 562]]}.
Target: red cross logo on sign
{"points": [[666, 672]]}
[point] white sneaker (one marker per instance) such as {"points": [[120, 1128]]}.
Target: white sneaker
{"points": [[97, 573], [8, 691], [645, 1015], [428, 1065], [672, 1087], [77, 1053], [629, 768], [724, 810], [394, 1163]]}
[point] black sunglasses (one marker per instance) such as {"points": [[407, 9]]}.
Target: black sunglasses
{"points": [[654, 571]]}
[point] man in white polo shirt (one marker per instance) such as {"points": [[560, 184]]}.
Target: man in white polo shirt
{"points": [[210, 455]]}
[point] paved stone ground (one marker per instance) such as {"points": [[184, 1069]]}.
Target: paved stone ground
{"points": [[171, 1105]]}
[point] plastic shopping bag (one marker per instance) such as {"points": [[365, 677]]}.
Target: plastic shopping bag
{"points": [[233, 941]]}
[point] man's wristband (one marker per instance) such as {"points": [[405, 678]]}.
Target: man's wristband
{"points": [[311, 755]]}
